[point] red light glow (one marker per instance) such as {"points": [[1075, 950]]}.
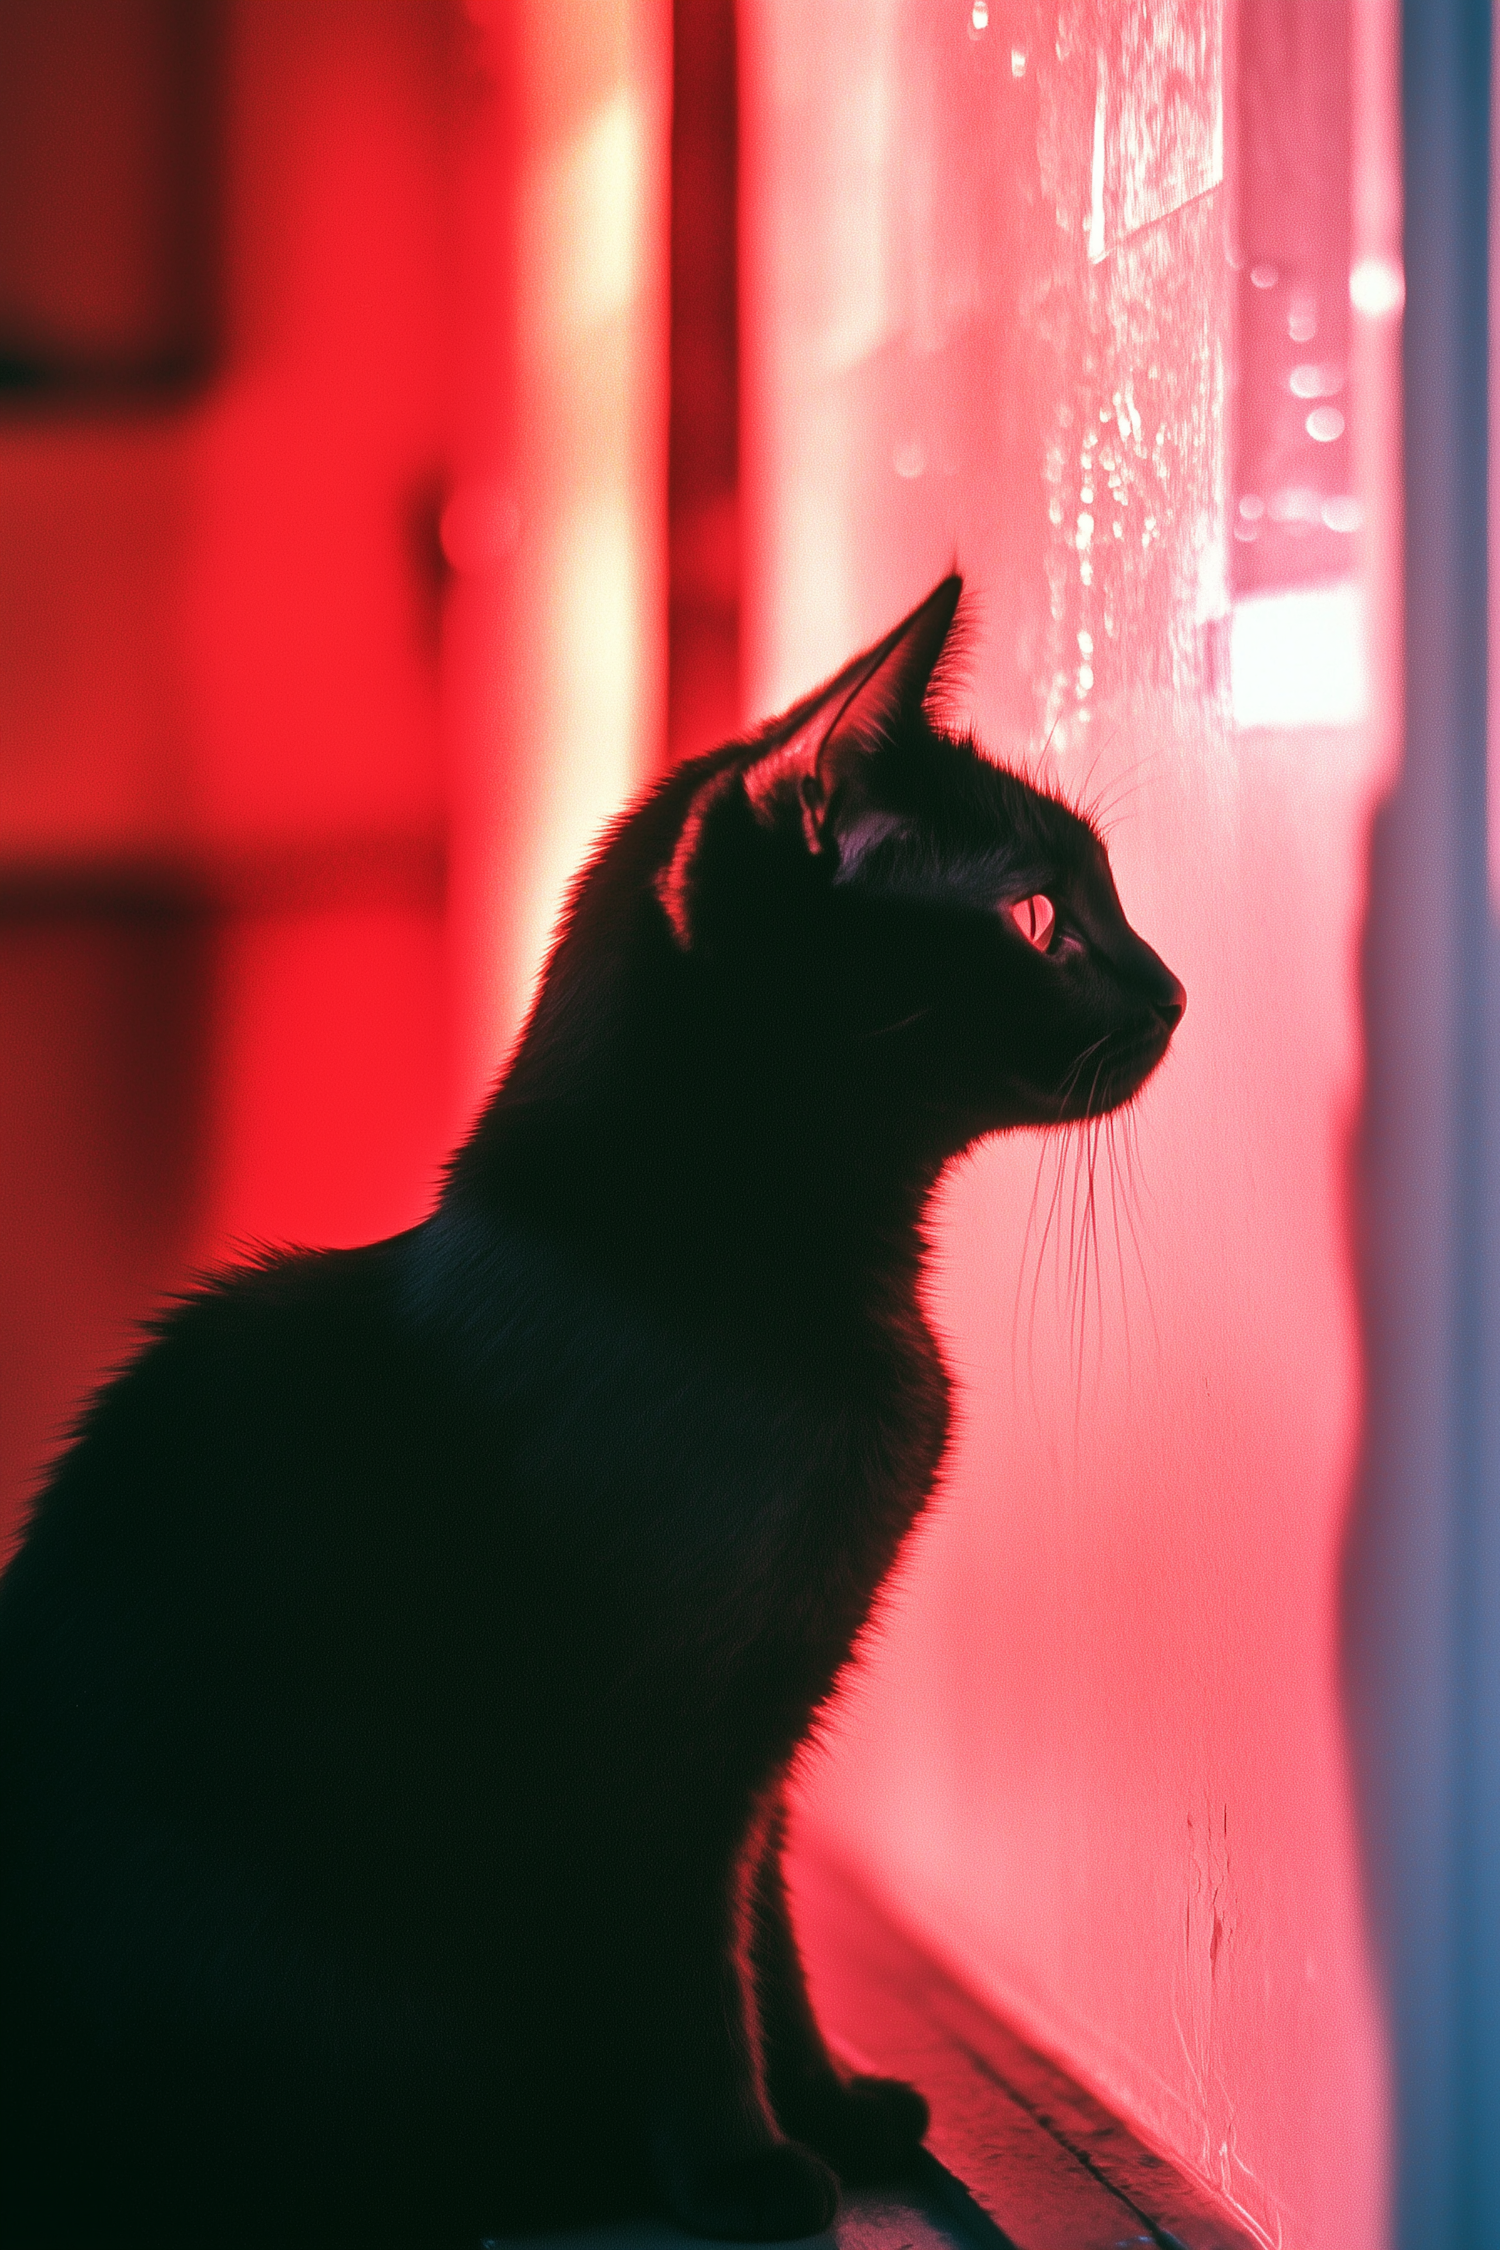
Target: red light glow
{"points": [[1097, 1758]]}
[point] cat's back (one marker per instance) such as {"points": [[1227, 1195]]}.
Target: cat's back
{"points": [[241, 1504], [261, 1376]]}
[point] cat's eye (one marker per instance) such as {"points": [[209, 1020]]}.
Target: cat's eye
{"points": [[1035, 919]]}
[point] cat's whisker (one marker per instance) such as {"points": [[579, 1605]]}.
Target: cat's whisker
{"points": [[1136, 1147], [1065, 1095], [1088, 1107], [1036, 1246], [1103, 812], [1132, 1153], [1078, 1253], [1094, 1199], [1075, 1143], [1091, 1244], [1081, 1206], [1127, 784], [1085, 1155], [1060, 1140], [1078, 798], [1062, 1270], [1085, 1247], [1094, 1266], [1062, 1147], [885, 1030], [1114, 1206], [1077, 1147], [1128, 1147], [1137, 771], [1015, 1320], [1106, 814], [1121, 790], [1089, 1240]]}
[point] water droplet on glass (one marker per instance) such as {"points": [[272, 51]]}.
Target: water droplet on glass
{"points": [[1302, 320], [1377, 286], [1316, 379], [1296, 503]]}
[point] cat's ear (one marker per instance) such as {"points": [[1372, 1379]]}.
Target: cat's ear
{"points": [[824, 760], [813, 761]]}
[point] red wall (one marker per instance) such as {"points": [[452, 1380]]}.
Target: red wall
{"points": [[1056, 293], [221, 792], [333, 405]]}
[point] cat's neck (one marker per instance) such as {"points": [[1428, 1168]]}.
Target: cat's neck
{"points": [[700, 1159]]}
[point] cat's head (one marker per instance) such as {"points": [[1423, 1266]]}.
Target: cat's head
{"points": [[921, 918]]}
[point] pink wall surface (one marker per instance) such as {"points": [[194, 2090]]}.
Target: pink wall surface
{"points": [[1068, 295]]}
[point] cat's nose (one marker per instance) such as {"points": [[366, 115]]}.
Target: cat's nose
{"points": [[1152, 981]]}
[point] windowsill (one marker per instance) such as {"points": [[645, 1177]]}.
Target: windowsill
{"points": [[1046, 2162]]}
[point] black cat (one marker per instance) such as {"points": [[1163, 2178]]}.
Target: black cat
{"points": [[402, 1668]]}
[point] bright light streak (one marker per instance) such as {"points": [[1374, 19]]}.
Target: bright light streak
{"points": [[1096, 170], [589, 213], [1298, 659]]}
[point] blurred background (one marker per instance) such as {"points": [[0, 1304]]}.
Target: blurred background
{"points": [[420, 422], [334, 477]]}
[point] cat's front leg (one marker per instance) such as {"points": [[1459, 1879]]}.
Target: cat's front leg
{"points": [[722, 2162], [867, 2128]]}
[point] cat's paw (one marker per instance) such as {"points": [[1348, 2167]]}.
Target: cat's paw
{"points": [[868, 2129], [775, 2194]]}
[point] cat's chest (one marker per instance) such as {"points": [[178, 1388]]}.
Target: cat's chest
{"points": [[749, 1470], [703, 1455]]}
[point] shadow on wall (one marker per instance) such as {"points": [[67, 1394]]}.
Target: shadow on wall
{"points": [[1398, 1558], [1420, 1562]]}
